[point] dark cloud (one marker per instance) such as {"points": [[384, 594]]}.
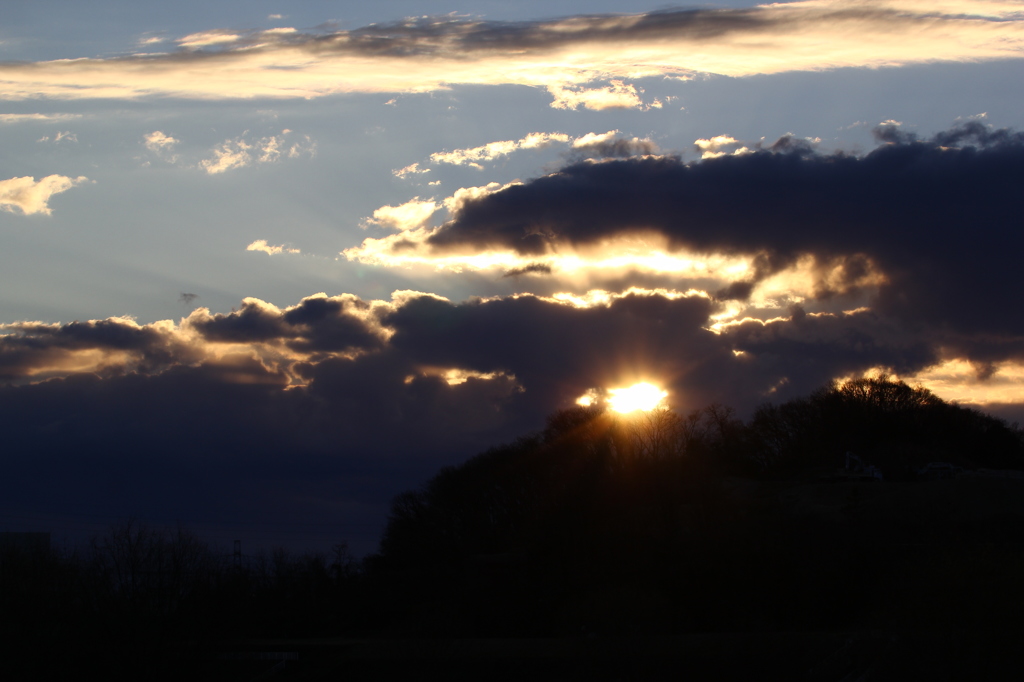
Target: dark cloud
{"points": [[809, 350], [615, 148], [531, 269], [939, 220], [317, 323], [28, 348], [438, 36]]}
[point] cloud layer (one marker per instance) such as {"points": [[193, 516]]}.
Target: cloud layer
{"points": [[563, 56], [924, 226]]}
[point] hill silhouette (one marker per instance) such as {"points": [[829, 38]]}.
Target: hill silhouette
{"points": [[656, 522]]}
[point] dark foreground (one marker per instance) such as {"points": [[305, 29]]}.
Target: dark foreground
{"points": [[875, 656]]}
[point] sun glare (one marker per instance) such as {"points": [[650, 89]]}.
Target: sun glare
{"points": [[642, 396]]}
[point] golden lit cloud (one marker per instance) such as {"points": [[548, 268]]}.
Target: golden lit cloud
{"points": [[966, 382], [411, 169], [492, 150], [962, 381], [27, 196], [262, 245], [720, 145], [408, 216], [648, 252], [457, 376], [157, 141], [474, 157], [241, 152], [617, 95], [602, 297], [22, 118], [582, 61]]}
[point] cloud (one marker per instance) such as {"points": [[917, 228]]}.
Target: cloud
{"points": [[546, 350], [36, 118], [720, 145], [208, 38], [492, 150], [242, 151], [591, 145], [411, 169], [411, 215], [27, 196], [582, 60], [610, 145], [37, 350], [617, 95], [60, 136], [529, 269], [925, 221], [158, 141], [261, 245]]}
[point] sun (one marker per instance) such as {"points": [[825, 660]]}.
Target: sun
{"points": [[642, 396]]}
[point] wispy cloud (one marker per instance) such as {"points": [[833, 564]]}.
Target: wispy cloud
{"points": [[262, 245], [608, 144], [60, 136], [41, 118], [158, 141], [27, 196], [243, 151], [492, 150], [583, 61]]}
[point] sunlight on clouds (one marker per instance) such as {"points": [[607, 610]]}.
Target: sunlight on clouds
{"points": [[157, 141], [241, 152], [720, 145], [594, 139], [617, 95], [231, 154], [23, 118], [408, 216], [583, 61], [610, 257], [967, 383], [493, 150], [261, 245], [728, 316], [411, 169], [812, 277], [456, 376], [27, 196], [601, 297], [110, 346], [208, 38], [608, 143], [960, 380]]}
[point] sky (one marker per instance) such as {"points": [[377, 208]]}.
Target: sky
{"points": [[265, 265]]}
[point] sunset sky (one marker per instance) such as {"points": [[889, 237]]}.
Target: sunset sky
{"points": [[264, 265]]}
